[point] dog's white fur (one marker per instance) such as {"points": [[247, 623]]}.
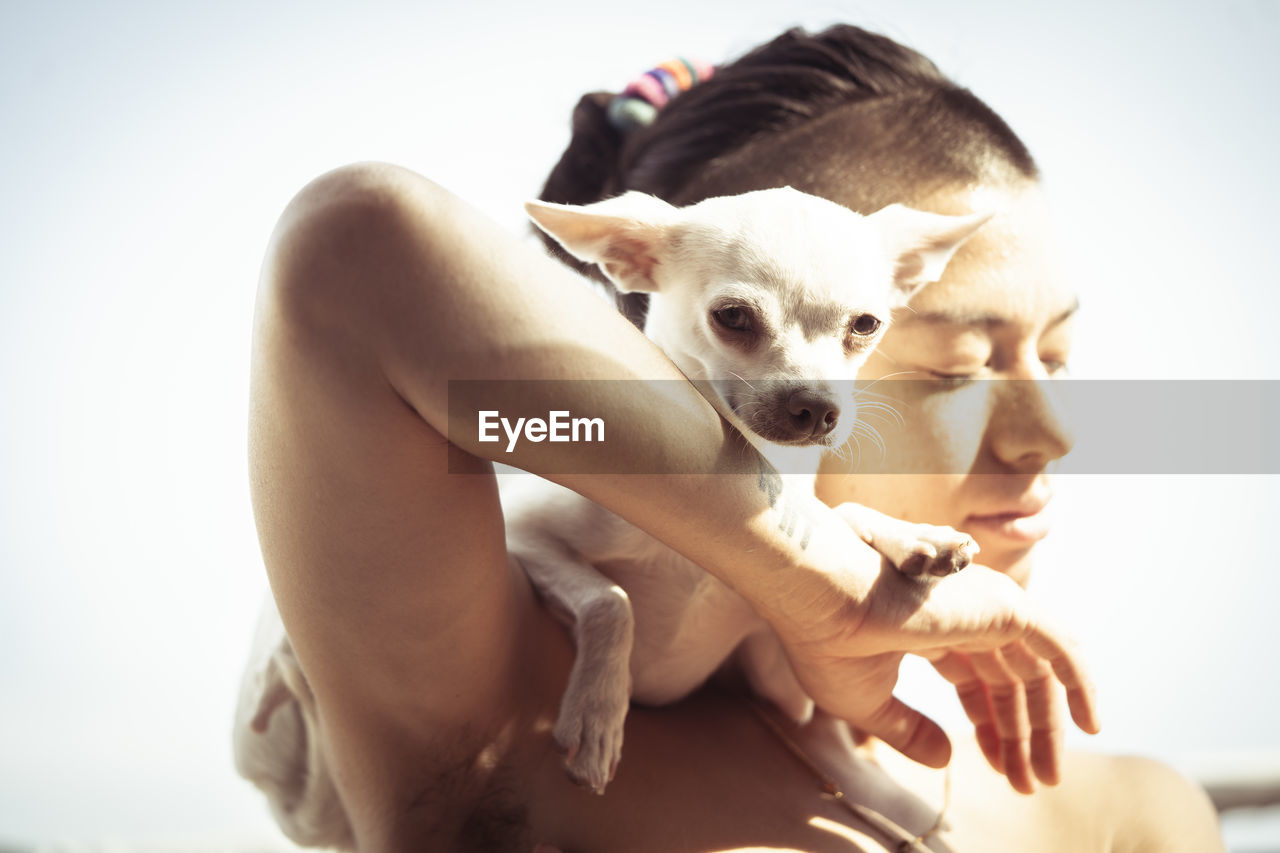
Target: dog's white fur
{"points": [[813, 285], [770, 302], [275, 741]]}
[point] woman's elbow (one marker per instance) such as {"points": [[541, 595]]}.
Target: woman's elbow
{"points": [[336, 249]]}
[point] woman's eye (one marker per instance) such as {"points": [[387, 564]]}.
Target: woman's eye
{"points": [[952, 380], [733, 317], [865, 324], [1055, 368]]}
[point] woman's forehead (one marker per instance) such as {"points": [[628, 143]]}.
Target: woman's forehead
{"points": [[1010, 271]]}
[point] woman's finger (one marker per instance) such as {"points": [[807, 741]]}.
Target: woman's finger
{"points": [[956, 668], [1043, 710], [1009, 705], [1047, 642], [908, 731]]}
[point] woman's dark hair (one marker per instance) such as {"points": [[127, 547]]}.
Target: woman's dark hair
{"points": [[907, 129]]}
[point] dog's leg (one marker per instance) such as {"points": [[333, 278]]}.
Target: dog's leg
{"points": [[594, 707], [770, 675], [916, 549]]}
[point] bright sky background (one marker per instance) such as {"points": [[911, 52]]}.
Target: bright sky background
{"points": [[148, 148]]}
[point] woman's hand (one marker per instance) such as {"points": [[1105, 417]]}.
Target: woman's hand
{"points": [[981, 632]]}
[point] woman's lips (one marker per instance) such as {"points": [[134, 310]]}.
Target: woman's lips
{"points": [[1027, 524]]}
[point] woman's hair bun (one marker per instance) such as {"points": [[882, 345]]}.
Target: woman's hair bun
{"points": [[587, 169]]}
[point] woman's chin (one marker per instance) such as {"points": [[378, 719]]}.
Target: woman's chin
{"points": [[1016, 563]]}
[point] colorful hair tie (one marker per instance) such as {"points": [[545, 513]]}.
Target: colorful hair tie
{"points": [[650, 87], [643, 97], [680, 70]]}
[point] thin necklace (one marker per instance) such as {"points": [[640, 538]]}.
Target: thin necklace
{"points": [[830, 789]]}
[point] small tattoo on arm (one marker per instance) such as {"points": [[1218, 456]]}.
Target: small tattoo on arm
{"points": [[791, 517], [770, 480]]}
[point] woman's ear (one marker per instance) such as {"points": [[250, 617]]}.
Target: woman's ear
{"points": [[921, 244], [624, 235]]}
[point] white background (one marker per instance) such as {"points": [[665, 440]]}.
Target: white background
{"points": [[148, 147]]}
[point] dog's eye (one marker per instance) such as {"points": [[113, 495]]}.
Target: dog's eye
{"points": [[733, 317], [864, 324]]}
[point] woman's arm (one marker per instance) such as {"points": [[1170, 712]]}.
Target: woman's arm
{"points": [[380, 288]]}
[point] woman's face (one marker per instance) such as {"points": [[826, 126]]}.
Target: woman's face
{"points": [[976, 439]]}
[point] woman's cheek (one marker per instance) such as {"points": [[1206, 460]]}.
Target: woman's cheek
{"points": [[947, 429], [935, 432]]}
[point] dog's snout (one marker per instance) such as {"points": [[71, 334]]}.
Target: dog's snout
{"points": [[788, 411], [812, 414]]}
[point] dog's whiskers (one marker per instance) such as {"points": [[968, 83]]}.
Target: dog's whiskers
{"points": [[742, 379], [871, 433], [881, 410], [874, 382]]}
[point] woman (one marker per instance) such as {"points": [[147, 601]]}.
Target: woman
{"points": [[437, 675]]}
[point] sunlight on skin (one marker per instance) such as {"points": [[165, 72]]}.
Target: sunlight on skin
{"points": [[844, 833]]}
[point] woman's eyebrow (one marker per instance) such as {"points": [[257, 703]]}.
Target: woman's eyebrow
{"points": [[1065, 315], [986, 320]]}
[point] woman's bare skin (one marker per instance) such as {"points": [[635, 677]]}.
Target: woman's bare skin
{"points": [[437, 674]]}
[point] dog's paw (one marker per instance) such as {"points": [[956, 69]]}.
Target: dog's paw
{"points": [[933, 551], [589, 730]]}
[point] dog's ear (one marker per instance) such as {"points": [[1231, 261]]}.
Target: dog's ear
{"points": [[921, 244], [624, 235]]}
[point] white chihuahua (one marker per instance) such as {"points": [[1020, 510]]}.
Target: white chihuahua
{"points": [[770, 302]]}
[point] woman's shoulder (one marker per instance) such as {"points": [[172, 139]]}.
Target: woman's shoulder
{"points": [[1141, 804], [1123, 804]]}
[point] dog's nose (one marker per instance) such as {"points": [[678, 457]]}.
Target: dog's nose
{"points": [[811, 413]]}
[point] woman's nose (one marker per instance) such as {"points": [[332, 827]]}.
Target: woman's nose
{"points": [[1026, 430]]}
